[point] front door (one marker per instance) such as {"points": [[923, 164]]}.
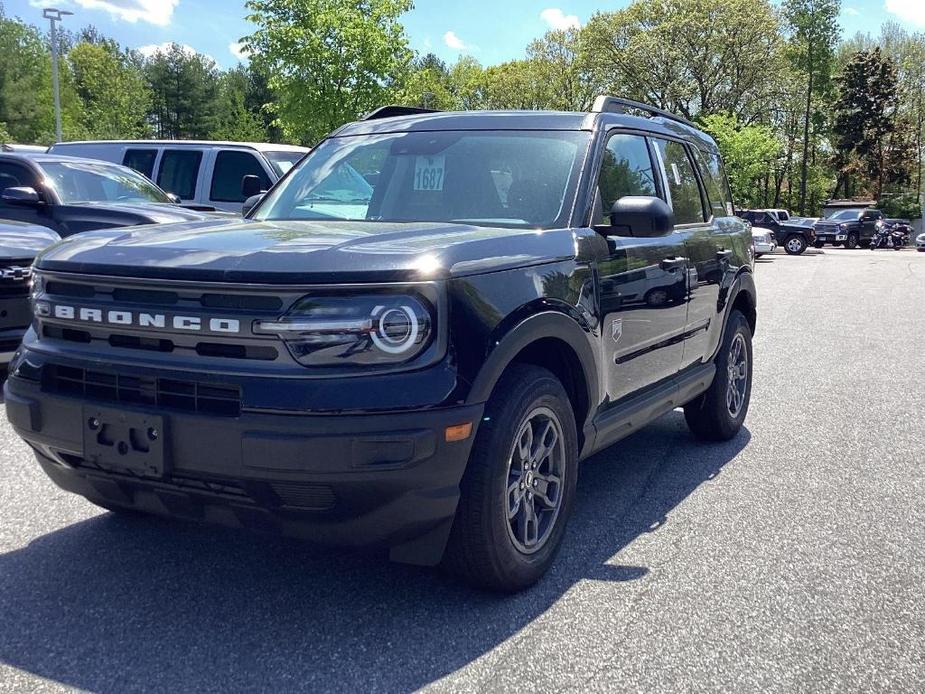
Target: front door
{"points": [[15, 175], [643, 282]]}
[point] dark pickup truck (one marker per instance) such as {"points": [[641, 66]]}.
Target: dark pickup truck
{"points": [[851, 228], [792, 235], [71, 195]]}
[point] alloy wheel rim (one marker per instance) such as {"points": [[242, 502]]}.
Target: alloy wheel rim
{"points": [[793, 244], [737, 381], [535, 478]]}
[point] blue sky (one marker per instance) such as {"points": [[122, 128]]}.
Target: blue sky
{"points": [[490, 30]]}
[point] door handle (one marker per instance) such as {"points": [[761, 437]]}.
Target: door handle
{"points": [[724, 254], [673, 263]]}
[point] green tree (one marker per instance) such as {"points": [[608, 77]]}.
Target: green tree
{"points": [[26, 103], [184, 93], [559, 65], [748, 152], [814, 27], [689, 56], [866, 123], [238, 120], [114, 95], [428, 85], [329, 61]]}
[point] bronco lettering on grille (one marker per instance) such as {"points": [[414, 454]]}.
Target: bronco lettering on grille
{"points": [[137, 319]]}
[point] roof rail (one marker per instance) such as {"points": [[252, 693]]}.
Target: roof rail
{"points": [[393, 111], [616, 104]]}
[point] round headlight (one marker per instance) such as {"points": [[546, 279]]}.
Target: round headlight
{"points": [[396, 329]]}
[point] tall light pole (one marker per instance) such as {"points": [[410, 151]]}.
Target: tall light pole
{"points": [[54, 16]]}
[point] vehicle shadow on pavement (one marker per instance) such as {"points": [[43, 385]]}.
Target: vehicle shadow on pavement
{"points": [[114, 604]]}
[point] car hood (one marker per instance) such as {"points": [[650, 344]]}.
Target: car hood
{"points": [[160, 212], [306, 251], [761, 232], [832, 223], [19, 240]]}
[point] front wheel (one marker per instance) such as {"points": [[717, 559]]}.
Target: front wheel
{"points": [[795, 245], [718, 414], [852, 241], [519, 487]]}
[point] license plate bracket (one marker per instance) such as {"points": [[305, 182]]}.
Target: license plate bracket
{"points": [[124, 440]]}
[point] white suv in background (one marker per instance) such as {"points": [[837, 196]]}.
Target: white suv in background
{"points": [[201, 173]]}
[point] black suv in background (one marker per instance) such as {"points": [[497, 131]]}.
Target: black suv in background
{"points": [[413, 339], [789, 233], [70, 195], [851, 227]]}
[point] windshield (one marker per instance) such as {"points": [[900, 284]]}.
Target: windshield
{"points": [[77, 182], [846, 214], [283, 161], [503, 178]]}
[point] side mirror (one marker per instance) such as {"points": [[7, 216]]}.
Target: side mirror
{"points": [[641, 216], [21, 195], [174, 198], [251, 202], [251, 185]]}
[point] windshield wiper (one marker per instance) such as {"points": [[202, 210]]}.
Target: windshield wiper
{"points": [[331, 198]]}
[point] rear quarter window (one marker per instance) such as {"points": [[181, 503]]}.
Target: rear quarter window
{"points": [[142, 160]]}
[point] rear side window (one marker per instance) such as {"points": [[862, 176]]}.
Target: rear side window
{"points": [[626, 169], [179, 172], [230, 167], [682, 182], [142, 160], [714, 180]]}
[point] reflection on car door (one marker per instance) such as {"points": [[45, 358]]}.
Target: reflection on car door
{"points": [[643, 282]]}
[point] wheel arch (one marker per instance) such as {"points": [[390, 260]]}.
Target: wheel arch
{"points": [[555, 342]]}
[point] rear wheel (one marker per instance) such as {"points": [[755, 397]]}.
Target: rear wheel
{"points": [[794, 245], [518, 489], [718, 414], [818, 244]]}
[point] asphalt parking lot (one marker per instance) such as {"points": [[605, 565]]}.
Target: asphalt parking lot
{"points": [[790, 559]]}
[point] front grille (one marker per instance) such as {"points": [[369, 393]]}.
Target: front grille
{"points": [[304, 495], [15, 277], [112, 387], [163, 298]]}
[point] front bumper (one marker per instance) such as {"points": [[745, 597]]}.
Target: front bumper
{"points": [[387, 479], [15, 316], [824, 237], [763, 248]]}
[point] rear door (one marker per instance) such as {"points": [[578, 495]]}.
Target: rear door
{"points": [[178, 172], [694, 224], [643, 282]]}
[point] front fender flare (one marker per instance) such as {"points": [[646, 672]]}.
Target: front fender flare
{"points": [[549, 324]]}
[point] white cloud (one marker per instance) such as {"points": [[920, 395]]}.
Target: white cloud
{"points": [[157, 12], [453, 41], [558, 20], [42, 4], [153, 49], [238, 50], [912, 11], [852, 11]]}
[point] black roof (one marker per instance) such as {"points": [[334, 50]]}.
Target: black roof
{"points": [[525, 120], [42, 157]]}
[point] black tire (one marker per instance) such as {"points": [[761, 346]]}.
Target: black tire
{"points": [[482, 549], [818, 244], [852, 241], [709, 416], [794, 244]]}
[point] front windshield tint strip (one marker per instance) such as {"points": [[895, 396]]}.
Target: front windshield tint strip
{"points": [[484, 178]]}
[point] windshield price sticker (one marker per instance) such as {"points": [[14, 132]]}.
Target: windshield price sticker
{"points": [[428, 172]]}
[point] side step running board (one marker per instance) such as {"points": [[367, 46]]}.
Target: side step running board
{"points": [[625, 418]]}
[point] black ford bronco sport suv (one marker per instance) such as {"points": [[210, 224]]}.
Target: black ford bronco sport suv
{"points": [[411, 341]]}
